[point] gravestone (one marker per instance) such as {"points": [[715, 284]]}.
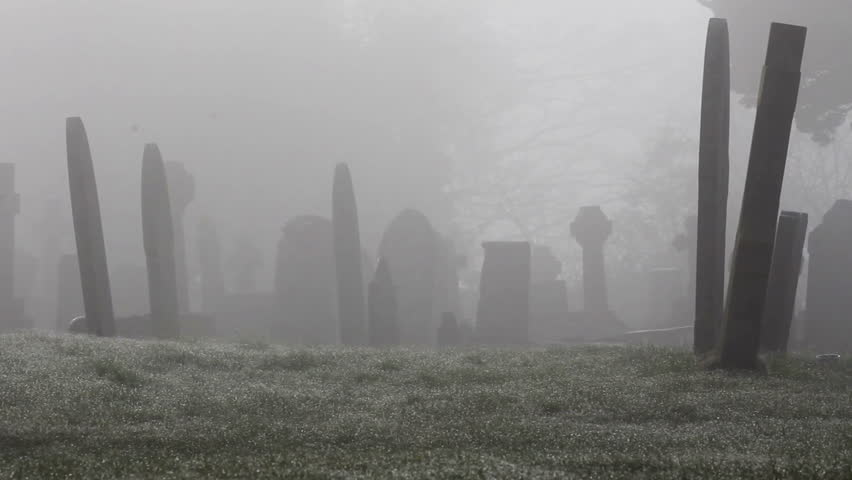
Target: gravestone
{"points": [[827, 325], [181, 194], [713, 167], [752, 255], [410, 246], [383, 322], [503, 312], [69, 293], [549, 310], [447, 294], [306, 283], [88, 230], [12, 314], [449, 334], [783, 281], [348, 259], [210, 266]]}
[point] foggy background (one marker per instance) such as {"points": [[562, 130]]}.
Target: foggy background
{"points": [[498, 119]]}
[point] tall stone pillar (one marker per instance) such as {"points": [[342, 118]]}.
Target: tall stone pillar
{"points": [[504, 293], [181, 194], [591, 229], [783, 281], [11, 309]]}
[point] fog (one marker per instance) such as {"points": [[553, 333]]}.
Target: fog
{"points": [[497, 119]]}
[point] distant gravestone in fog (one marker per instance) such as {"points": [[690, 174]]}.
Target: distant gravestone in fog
{"points": [[411, 248], [502, 316], [69, 293], [181, 194], [306, 283], [783, 281], [382, 308], [549, 310], [447, 293], [828, 325]]}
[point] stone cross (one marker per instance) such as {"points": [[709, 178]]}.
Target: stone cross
{"points": [[591, 229]]}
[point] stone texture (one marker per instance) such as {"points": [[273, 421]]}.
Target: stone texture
{"points": [[502, 316], [348, 259], [783, 281]]}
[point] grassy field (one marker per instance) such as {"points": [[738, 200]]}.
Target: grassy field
{"points": [[77, 407]]}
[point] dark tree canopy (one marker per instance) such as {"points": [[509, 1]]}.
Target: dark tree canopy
{"points": [[826, 91]]}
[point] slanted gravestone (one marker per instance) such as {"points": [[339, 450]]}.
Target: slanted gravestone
{"points": [[739, 342], [410, 246], [502, 316], [449, 334], [306, 283], [548, 297], [827, 323], [181, 194], [783, 281], [69, 293], [713, 166]]}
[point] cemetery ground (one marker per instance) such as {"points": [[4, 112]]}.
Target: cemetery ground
{"points": [[83, 407]]}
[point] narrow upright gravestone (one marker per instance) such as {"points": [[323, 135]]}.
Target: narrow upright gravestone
{"points": [[752, 256], [305, 282], [159, 241], [783, 281], [502, 316], [828, 326], [348, 259], [88, 231], [713, 165], [181, 194], [69, 293], [410, 246], [383, 324], [548, 297], [11, 308]]}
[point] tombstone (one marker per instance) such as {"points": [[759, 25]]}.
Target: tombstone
{"points": [[88, 230], [752, 255], [549, 311], [449, 334], [783, 281], [713, 167], [181, 194], [383, 321], [410, 246], [12, 314], [158, 238], [130, 290], [664, 291], [348, 259], [447, 295], [210, 263], [306, 283], [502, 316], [827, 325], [69, 293]]}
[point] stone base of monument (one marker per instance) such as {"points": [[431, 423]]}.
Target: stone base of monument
{"points": [[13, 317], [592, 327]]}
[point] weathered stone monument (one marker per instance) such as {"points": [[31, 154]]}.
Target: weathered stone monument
{"points": [[783, 281], [549, 312], [306, 283], [713, 166], [827, 322], [410, 246], [210, 263], [181, 194], [12, 314], [449, 334], [502, 316], [158, 238], [88, 231], [348, 259], [752, 255], [383, 326], [69, 293]]}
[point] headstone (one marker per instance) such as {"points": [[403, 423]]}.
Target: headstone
{"points": [[88, 231], [410, 246], [158, 238], [549, 310], [449, 334], [502, 316], [827, 322], [783, 281], [713, 166], [348, 259], [752, 255], [12, 314], [210, 263], [591, 229], [447, 294], [69, 293], [305, 282], [383, 326], [181, 194]]}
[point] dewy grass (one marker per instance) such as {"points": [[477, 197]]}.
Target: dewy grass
{"points": [[80, 407]]}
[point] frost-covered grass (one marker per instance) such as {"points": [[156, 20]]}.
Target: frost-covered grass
{"points": [[77, 407]]}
